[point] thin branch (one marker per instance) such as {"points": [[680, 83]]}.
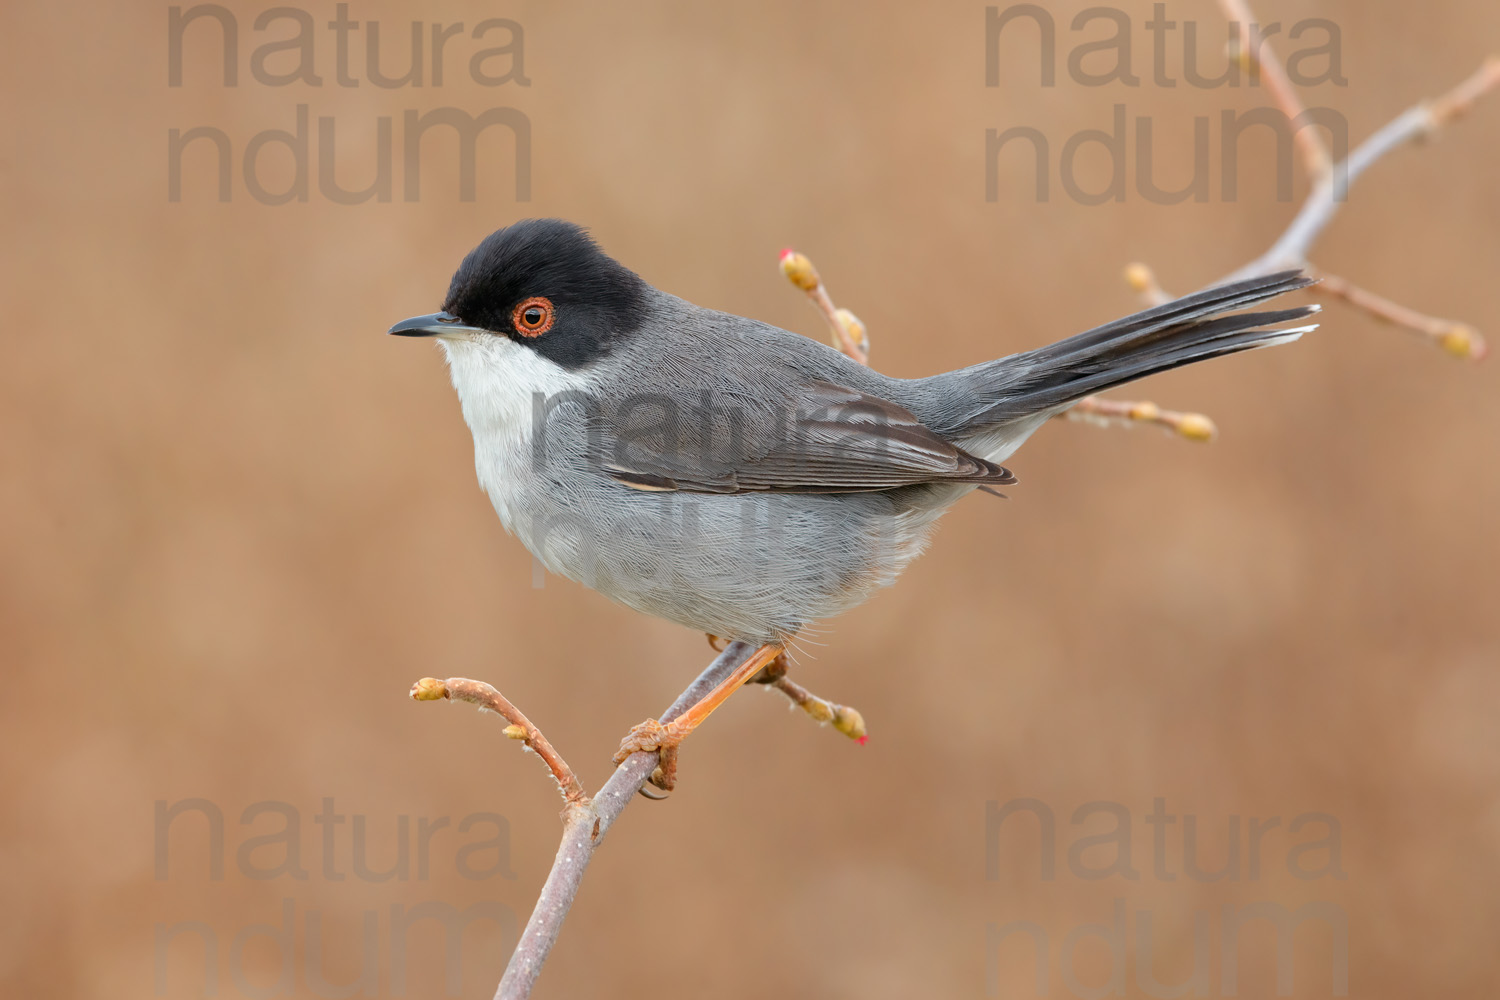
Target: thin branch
{"points": [[849, 334], [584, 825], [1256, 53], [1331, 190], [1330, 194], [845, 719], [1458, 339], [1142, 281], [1110, 412], [520, 728], [1461, 99]]}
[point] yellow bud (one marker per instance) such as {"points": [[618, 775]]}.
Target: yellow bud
{"points": [[799, 270], [515, 732], [1237, 52], [849, 722], [1463, 341], [429, 689], [1196, 427], [1145, 411], [854, 327], [1139, 278], [818, 709]]}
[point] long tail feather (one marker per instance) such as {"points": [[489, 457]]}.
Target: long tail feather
{"points": [[1182, 332]]}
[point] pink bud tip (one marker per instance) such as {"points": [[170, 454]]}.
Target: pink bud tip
{"points": [[786, 253], [862, 740]]}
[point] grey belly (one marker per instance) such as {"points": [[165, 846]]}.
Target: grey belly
{"points": [[750, 566]]}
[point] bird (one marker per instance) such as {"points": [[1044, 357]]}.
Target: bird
{"points": [[737, 478]]}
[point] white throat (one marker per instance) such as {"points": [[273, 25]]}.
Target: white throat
{"points": [[498, 382]]}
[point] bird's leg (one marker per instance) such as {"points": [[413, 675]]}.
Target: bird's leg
{"points": [[770, 674], [665, 738], [773, 672]]}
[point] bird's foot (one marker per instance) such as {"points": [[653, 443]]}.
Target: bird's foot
{"points": [[772, 672], [649, 736], [664, 738]]}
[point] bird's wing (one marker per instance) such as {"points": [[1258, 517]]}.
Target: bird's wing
{"points": [[821, 438]]}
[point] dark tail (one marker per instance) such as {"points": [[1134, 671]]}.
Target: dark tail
{"points": [[1168, 336]]}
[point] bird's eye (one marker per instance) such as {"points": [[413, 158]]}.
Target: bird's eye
{"points": [[533, 317]]}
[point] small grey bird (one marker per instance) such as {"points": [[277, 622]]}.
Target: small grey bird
{"points": [[732, 476]]}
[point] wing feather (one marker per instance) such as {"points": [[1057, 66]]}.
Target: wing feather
{"points": [[829, 439]]}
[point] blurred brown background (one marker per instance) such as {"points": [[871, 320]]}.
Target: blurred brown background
{"points": [[237, 521]]}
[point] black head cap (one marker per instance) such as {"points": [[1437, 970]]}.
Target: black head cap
{"points": [[548, 269]]}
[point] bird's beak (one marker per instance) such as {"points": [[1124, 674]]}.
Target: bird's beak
{"points": [[435, 325]]}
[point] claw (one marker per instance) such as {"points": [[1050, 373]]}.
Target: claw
{"points": [[652, 796]]}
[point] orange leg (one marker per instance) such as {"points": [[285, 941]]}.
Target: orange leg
{"points": [[653, 735]]}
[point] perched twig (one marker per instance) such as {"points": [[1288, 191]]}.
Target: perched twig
{"points": [[584, 830], [585, 819], [520, 728]]}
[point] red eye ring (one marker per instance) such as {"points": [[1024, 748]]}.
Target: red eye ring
{"points": [[533, 317]]}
